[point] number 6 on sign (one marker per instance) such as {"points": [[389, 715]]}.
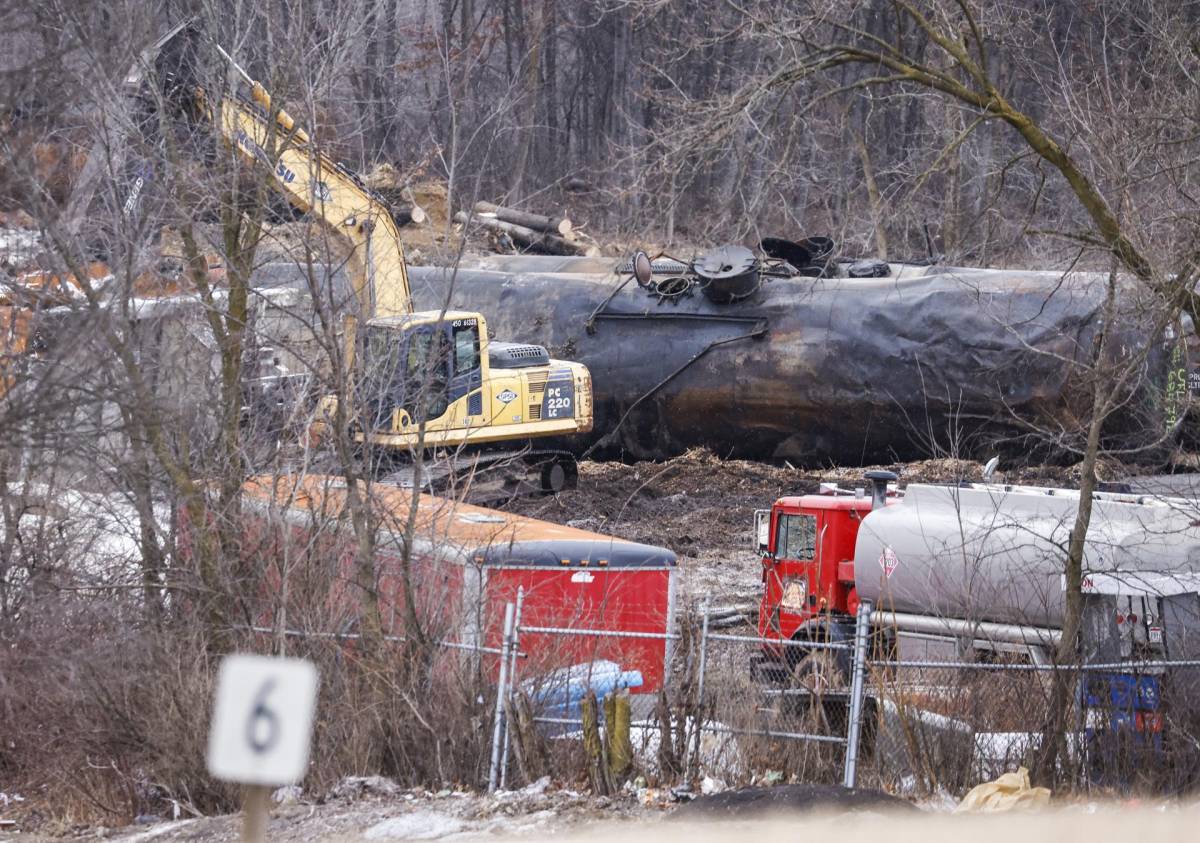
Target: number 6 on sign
{"points": [[262, 721]]}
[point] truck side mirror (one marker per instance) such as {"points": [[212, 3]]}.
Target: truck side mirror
{"points": [[762, 530]]}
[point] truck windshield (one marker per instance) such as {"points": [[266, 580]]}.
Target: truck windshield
{"points": [[796, 537]]}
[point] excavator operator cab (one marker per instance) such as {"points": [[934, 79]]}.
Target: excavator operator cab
{"points": [[412, 370]]}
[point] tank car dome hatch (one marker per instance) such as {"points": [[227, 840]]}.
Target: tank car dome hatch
{"points": [[515, 355], [727, 274], [642, 268]]}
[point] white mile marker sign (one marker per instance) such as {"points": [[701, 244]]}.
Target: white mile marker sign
{"points": [[262, 722]]}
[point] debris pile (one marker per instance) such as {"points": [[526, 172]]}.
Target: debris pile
{"points": [[511, 229]]}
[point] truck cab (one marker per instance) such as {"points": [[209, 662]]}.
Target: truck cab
{"points": [[807, 546]]}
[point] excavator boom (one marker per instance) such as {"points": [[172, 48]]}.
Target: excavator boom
{"points": [[316, 184]]}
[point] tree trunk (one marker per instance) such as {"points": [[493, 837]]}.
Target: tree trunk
{"points": [[874, 197], [539, 222], [1062, 697]]}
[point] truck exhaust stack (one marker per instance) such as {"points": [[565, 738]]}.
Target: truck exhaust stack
{"points": [[879, 487]]}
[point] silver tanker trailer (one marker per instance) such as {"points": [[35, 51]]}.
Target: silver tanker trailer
{"points": [[955, 556]]}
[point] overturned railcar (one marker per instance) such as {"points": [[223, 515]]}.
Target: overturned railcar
{"points": [[761, 361]]}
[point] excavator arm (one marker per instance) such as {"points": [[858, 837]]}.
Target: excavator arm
{"points": [[318, 185]]}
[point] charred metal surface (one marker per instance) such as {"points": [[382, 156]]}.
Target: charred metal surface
{"points": [[929, 360]]}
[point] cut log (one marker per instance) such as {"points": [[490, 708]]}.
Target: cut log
{"points": [[616, 735], [409, 214], [593, 746], [550, 244], [538, 222]]}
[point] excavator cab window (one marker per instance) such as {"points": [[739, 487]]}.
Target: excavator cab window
{"points": [[409, 370], [468, 367], [466, 348], [382, 387], [428, 367]]}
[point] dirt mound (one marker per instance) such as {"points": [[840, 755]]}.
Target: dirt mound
{"points": [[785, 799]]}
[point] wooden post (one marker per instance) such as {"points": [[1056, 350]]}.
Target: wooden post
{"points": [[256, 798], [593, 746], [668, 758], [531, 753]]}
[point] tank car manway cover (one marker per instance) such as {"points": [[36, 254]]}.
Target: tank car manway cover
{"points": [[726, 262]]}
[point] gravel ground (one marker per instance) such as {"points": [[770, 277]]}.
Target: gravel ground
{"points": [[376, 809]]}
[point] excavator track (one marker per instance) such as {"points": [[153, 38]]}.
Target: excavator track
{"points": [[488, 476]]}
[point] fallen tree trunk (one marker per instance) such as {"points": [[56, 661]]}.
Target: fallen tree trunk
{"points": [[409, 214], [550, 244], [538, 222]]}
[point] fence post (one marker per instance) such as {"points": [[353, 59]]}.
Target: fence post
{"points": [[703, 654], [700, 689], [501, 690], [512, 681], [861, 629]]}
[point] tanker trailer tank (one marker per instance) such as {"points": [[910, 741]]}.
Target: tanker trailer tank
{"points": [[993, 553], [838, 368]]}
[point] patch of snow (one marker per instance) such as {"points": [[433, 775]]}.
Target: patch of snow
{"points": [[939, 802], [718, 749], [536, 787], [419, 825], [287, 795], [927, 718], [157, 831], [538, 822], [354, 787], [102, 531], [710, 786]]}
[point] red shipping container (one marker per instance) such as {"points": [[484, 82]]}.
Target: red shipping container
{"points": [[465, 564]]}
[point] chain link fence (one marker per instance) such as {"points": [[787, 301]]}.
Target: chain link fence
{"points": [[850, 710]]}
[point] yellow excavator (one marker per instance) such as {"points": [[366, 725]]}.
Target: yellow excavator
{"points": [[430, 379]]}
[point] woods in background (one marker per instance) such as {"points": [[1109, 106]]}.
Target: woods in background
{"points": [[685, 121]]}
